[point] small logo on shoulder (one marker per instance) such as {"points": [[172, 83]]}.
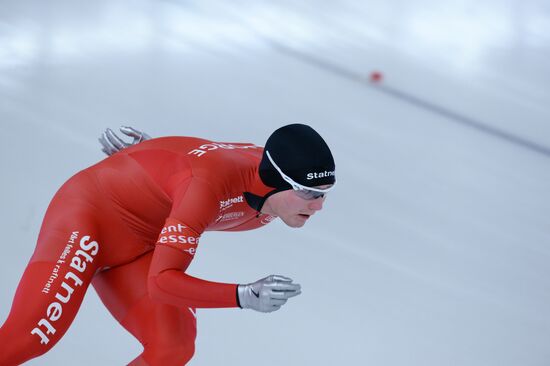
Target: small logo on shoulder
{"points": [[225, 204]]}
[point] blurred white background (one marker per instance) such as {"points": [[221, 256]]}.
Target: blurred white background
{"points": [[433, 249]]}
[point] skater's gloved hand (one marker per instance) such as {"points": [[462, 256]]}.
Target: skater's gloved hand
{"points": [[268, 294], [112, 143]]}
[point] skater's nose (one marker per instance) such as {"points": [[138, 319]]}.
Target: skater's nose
{"points": [[317, 204]]}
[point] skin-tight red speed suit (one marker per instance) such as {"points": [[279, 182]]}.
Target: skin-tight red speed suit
{"points": [[130, 225]]}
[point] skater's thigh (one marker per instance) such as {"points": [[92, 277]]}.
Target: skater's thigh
{"points": [[124, 292], [52, 287]]}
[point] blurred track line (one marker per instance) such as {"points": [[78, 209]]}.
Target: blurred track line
{"points": [[408, 98]]}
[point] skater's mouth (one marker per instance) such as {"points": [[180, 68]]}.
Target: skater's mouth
{"points": [[304, 216]]}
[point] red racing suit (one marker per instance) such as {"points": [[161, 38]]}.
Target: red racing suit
{"points": [[131, 225]]}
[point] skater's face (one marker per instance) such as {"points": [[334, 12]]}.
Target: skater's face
{"points": [[292, 208]]}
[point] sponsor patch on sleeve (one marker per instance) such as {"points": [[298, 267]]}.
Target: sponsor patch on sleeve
{"points": [[179, 236]]}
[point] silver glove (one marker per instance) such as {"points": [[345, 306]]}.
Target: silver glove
{"points": [[268, 294], [112, 143]]}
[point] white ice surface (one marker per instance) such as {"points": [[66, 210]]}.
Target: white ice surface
{"points": [[434, 248]]}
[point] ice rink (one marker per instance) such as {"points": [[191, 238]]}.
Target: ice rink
{"points": [[433, 249]]}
